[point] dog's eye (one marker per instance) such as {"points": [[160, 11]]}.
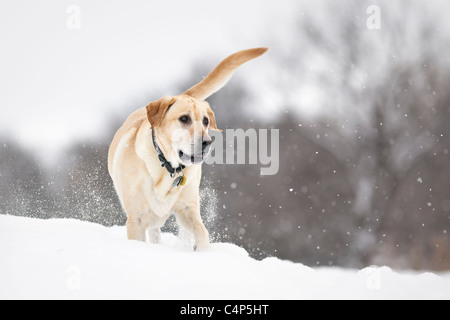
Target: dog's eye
{"points": [[184, 119], [205, 121]]}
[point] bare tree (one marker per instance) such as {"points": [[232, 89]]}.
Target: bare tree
{"points": [[386, 92]]}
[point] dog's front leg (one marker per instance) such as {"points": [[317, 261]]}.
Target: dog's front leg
{"points": [[135, 229], [154, 235], [188, 217]]}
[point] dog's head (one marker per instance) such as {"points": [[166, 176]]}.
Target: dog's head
{"points": [[182, 122]]}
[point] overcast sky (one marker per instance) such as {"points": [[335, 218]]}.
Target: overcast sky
{"points": [[60, 83], [64, 79]]}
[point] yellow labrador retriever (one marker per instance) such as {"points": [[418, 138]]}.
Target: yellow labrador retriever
{"points": [[155, 157]]}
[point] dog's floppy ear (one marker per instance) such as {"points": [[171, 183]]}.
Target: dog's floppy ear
{"points": [[217, 78], [157, 110], [212, 120]]}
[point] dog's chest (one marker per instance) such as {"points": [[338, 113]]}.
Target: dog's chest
{"points": [[162, 194]]}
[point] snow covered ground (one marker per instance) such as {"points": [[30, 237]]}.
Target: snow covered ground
{"points": [[70, 259]]}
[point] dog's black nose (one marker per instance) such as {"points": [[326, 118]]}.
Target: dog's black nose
{"points": [[206, 143]]}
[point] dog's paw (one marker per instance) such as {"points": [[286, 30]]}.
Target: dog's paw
{"points": [[202, 247]]}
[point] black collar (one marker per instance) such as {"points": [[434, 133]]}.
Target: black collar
{"points": [[164, 161]]}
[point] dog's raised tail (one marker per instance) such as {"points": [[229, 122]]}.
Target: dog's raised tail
{"points": [[217, 78]]}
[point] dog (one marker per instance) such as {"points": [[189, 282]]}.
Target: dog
{"points": [[155, 157]]}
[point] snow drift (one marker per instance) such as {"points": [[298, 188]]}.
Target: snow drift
{"points": [[71, 259]]}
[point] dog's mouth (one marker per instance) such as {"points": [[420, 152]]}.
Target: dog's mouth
{"points": [[191, 159]]}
